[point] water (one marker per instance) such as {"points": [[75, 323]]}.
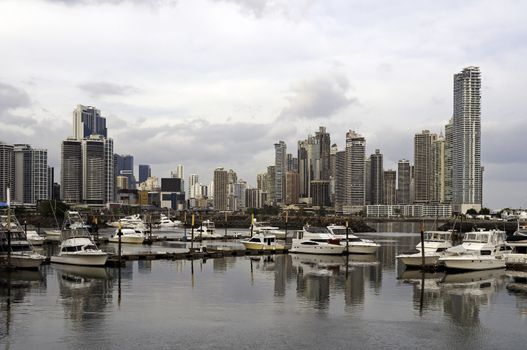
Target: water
{"points": [[283, 302]]}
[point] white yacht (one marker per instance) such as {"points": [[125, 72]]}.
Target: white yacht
{"points": [[316, 240], [130, 221], [355, 244], [52, 233], [481, 250], [259, 226], [76, 247], [207, 230], [262, 241], [34, 238], [128, 235], [518, 242], [22, 255], [435, 244], [165, 222]]}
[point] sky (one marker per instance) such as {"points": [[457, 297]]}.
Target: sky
{"points": [[215, 83]]}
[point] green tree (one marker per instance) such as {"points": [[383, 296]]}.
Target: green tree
{"points": [[484, 211], [472, 211]]}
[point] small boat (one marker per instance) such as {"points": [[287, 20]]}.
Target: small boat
{"points": [[518, 242], [435, 244], [207, 230], [480, 250], [19, 250], [130, 221], [262, 241], [128, 235], [355, 244], [316, 240], [76, 247], [34, 238], [165, 222]]}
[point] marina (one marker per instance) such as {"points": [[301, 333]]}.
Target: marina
{"points": [[262, 301]]}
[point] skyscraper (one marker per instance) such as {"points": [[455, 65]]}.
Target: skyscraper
{"points": [[178, 173], [71, 171], [280, 169], [194, 188], [355, 168], [220, 189], [7, 171], [423, 166], [324, 141], [40, 173], [449, 139], [377, 174], [93, 170], [88, 121], [340, 180], [23, 180], [124, 166], [438, 170], [292, 187], [466, 150], [390, 197], [403, 182], [144, 172]]}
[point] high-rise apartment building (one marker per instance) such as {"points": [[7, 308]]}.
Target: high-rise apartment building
{"points": [[88, 121], [355, 168], [220, 189], [144, 172], [179, 172], [423, 166], [71, 171], [390, 192], [292, 187], [403, 182], [7, 171], [438, 170], [280, 169], [271, 184], [93, 164], [308, 164], [194, 188], [324, 141], [23, 179], [340, 180], [449, 140], [376, 175], [124, 166], [466, 151]]}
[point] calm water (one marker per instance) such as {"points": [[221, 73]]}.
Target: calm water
{"points": [[284, 302]]}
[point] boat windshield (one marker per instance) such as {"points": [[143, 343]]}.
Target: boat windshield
{"points": [[477, 237], [340, 231], [311, 229], [437, 236]]}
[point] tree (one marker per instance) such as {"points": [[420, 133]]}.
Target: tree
{"points": [[484, 211], [472, 211]]}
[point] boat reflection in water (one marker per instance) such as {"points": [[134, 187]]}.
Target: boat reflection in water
{"points": [[518, 286]]}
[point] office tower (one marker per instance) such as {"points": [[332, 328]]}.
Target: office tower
{"points": [[87, 121], [466, 150], [7, 171], [324, 141], [23, 180], [280, 168], [124, 166], [262, 182], [367, 181], [340, 180], [144, 172], [390, 193], [292, 187], [355, 168], [271, 184], [377, 182], [292, 163], [239, 193], [71, 171], [449, 138], [93, 164], [332, 170], [193, 186], [438, 170], [109, 175], [253, 198], [403, 182], [423, 166], [308, 164], [51, 182], [320, 193], [220, 189], [40, 173]]}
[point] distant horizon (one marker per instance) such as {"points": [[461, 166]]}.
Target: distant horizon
{"points": [[251, 74]]}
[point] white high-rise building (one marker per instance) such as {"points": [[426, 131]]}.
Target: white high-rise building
{"points": [[355, 168], [88, 121], [466, 149], [280, 171], [194, 186]]}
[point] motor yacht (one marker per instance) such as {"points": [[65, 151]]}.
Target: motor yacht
{"points": [[480, 250], [262, 241], [165, 222], [76, 247], [435, 244], [355, 244], [34, 238], [19, 249], [128, 235], [259, 226], [52, 233], [518, 242], [207, 230], [316, 240], [130, 221]]}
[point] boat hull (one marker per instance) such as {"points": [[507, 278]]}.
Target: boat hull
{"points": [[30, 262], [98, 259], [261, 246], [128, 239], [330, 249], [473, 263], [417, 260], [36, 242], [362, 249]]}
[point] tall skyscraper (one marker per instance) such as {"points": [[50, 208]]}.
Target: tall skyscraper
{"points": [[194, 188], [403, 182], [449, 139], [88, 121], [23, 179], [423, 166], [93, 170], [377, 175], [220, 189], [292, 187], [324, 141], [271, 184], [367, 181], [390, 197], [308, 164], [340, 180], [280, 163], [71, 171], [7, 171], [438, 170], [178, 173], [466, 151], [144, 172], [124, 166], [40, 175], [355, 168]]}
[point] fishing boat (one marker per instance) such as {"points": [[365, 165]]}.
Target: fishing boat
{"points": [[354, 244], [76, 247], [262, 241], [435, 244], [207, 230], [480, 250], [316, 240]]}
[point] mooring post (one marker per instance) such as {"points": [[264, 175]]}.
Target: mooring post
{"points": [[192, 235], [347, 239], [252, 223], [225, 236], [285, 234], [185, 226], [119, 234], [422, 248]]}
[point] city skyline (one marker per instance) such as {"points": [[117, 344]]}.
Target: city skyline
{"points": [[387, 100]]}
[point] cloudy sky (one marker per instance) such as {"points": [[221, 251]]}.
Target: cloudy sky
{"points": [[210, 83]]}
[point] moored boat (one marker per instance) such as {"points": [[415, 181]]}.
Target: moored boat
{"points": [[354, 244], [316, 240], [262, 241], [435, 244], [128, 235]]}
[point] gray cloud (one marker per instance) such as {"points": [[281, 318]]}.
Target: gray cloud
{"points": [[12, 97], [319, 98], [101, 88], [504, 143]]}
